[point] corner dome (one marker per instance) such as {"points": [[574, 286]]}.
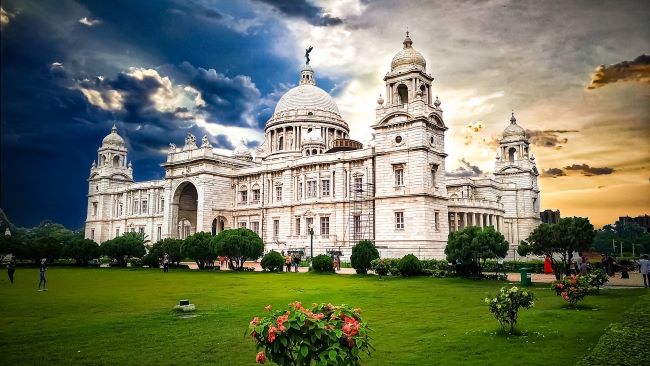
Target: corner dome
{"points": [[306, 97], [513, 132], [408, 58], [113, 139]]}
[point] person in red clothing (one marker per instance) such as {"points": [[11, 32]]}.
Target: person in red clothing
{"points": [[548, 268]]}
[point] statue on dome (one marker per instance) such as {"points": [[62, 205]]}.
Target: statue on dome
{"points": [[190, 141], [205, 142], [307, 51], [172, 148]]}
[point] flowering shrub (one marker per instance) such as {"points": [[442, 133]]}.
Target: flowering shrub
{"points": [[323, 333], [595, 280], [380, 266], [572, 289], [507, 303]]}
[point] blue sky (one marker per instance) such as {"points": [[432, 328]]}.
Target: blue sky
{"points": [[158, 69]]}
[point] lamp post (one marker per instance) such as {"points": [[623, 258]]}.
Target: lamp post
{"points": [[311, 236]]}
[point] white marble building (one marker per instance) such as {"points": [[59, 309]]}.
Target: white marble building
{"points": [[308, 173]]}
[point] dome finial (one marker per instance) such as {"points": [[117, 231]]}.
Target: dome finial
{"points": [[513, 120], [407, 41], [114, 128]]}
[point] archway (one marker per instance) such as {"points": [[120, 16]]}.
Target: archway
{"points": [[218, 225], [116, 161], [403, 93], [511, 154], [184, 208]]}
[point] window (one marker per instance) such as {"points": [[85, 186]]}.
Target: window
{"points": [[325, 184], [162, 204], [437, 220], [434, 170], [141, 230], [117, 232], [94, 208], [300, 190], [92, 234], [398, 139], [311, 189], [297, 226], [256, 195], [278, 193], [136, 207], [309, 222], [356, 228], [399, 177], [119, 213], [403, 94], [280, 143], [358, 184], [145, 209], [511, 154], [325, 226], [276, 228], [255, 226], [243, 195], [399, 220], [159, 233], [242, 224]]}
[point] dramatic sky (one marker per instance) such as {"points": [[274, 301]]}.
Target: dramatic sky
{"points": [[576, 73]]}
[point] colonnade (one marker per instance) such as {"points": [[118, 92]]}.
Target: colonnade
{"points": [[329, 134], [461, 220]]}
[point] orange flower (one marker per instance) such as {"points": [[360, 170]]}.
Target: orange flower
{"points": [[268, 307], [261, 357], [255, 321], [282, 319], [272, 331]]}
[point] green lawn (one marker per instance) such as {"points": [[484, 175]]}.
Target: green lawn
{"points": [[123, 316]]}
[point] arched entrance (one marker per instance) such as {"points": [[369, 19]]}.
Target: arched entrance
{"points": [[218, 225], [184, 208]]}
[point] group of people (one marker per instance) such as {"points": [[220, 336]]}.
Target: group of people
{"points": [[580, 265], [292, 260], [164, 262]]}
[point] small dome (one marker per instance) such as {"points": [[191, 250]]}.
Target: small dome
{"points": [[408, 58], [306, 97], [113, 138], [241, 151], [514, 132]]}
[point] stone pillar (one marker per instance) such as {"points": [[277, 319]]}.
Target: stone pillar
{"points": [[456, 220], [465, 224]]}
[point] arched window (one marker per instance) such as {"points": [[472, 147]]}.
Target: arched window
{"points": [[103, 162], [511, 154], [116, 161], [403, 93], [281, 143], [313, 152]]}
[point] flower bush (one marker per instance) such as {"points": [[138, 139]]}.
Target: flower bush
{"points": [[322, 263], [594, 280], [572, 289], [507, 303], [380, 266], [323, 334]]}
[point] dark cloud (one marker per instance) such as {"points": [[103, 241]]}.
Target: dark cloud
{"points": [[588, 170], [466, 170], [553, 173], [548, 138], [193, 8], [303, 9], [635, 70]]}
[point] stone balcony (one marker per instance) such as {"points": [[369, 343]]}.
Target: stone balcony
{"points": [[465, 203]]}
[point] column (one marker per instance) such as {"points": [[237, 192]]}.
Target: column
{"points": [[456, 220], [465, 220], [451, 227]]}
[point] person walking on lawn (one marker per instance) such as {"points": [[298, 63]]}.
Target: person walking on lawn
{"points": [[41, 271], [644, 268], [11, 268]]}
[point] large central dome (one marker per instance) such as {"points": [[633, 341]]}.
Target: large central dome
{"points": [[306, 98]]}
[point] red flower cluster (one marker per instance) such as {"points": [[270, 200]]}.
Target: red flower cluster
{"points": [[350, 329], [261, 357], [282, 319], [272, 331]]}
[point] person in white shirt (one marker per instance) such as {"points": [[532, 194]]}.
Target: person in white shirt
{"points": [[644, 268], [500, 267]]}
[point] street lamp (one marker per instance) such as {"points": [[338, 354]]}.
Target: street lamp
{"points": [[311, 235]]}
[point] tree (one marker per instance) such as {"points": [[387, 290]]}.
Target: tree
{"points": [[171, 246], [9, 244], [473, 245], [82, 250], [125, 246], [238, 245], [362, 254], [569, 235], [199, 247], [622, 233]]}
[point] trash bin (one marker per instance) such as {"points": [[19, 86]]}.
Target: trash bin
{"points": [[526, 276]]}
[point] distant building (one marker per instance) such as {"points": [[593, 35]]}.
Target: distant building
{"points": [[550, 216], [643, 221]]}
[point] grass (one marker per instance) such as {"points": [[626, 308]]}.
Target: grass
{"points": [[124, 316]]}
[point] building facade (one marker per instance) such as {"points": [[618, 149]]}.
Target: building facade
{"points": [[308, 180]]}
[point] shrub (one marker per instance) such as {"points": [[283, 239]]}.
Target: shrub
{"points": [[272, 262], [321, 335], [123, 247], [410, 265], [322, 263], [238, 245], [435, 264], [380, 266], [572, 289], [362, 254], [595, 280], [507, 303], [198, 247], [81, 250]]}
